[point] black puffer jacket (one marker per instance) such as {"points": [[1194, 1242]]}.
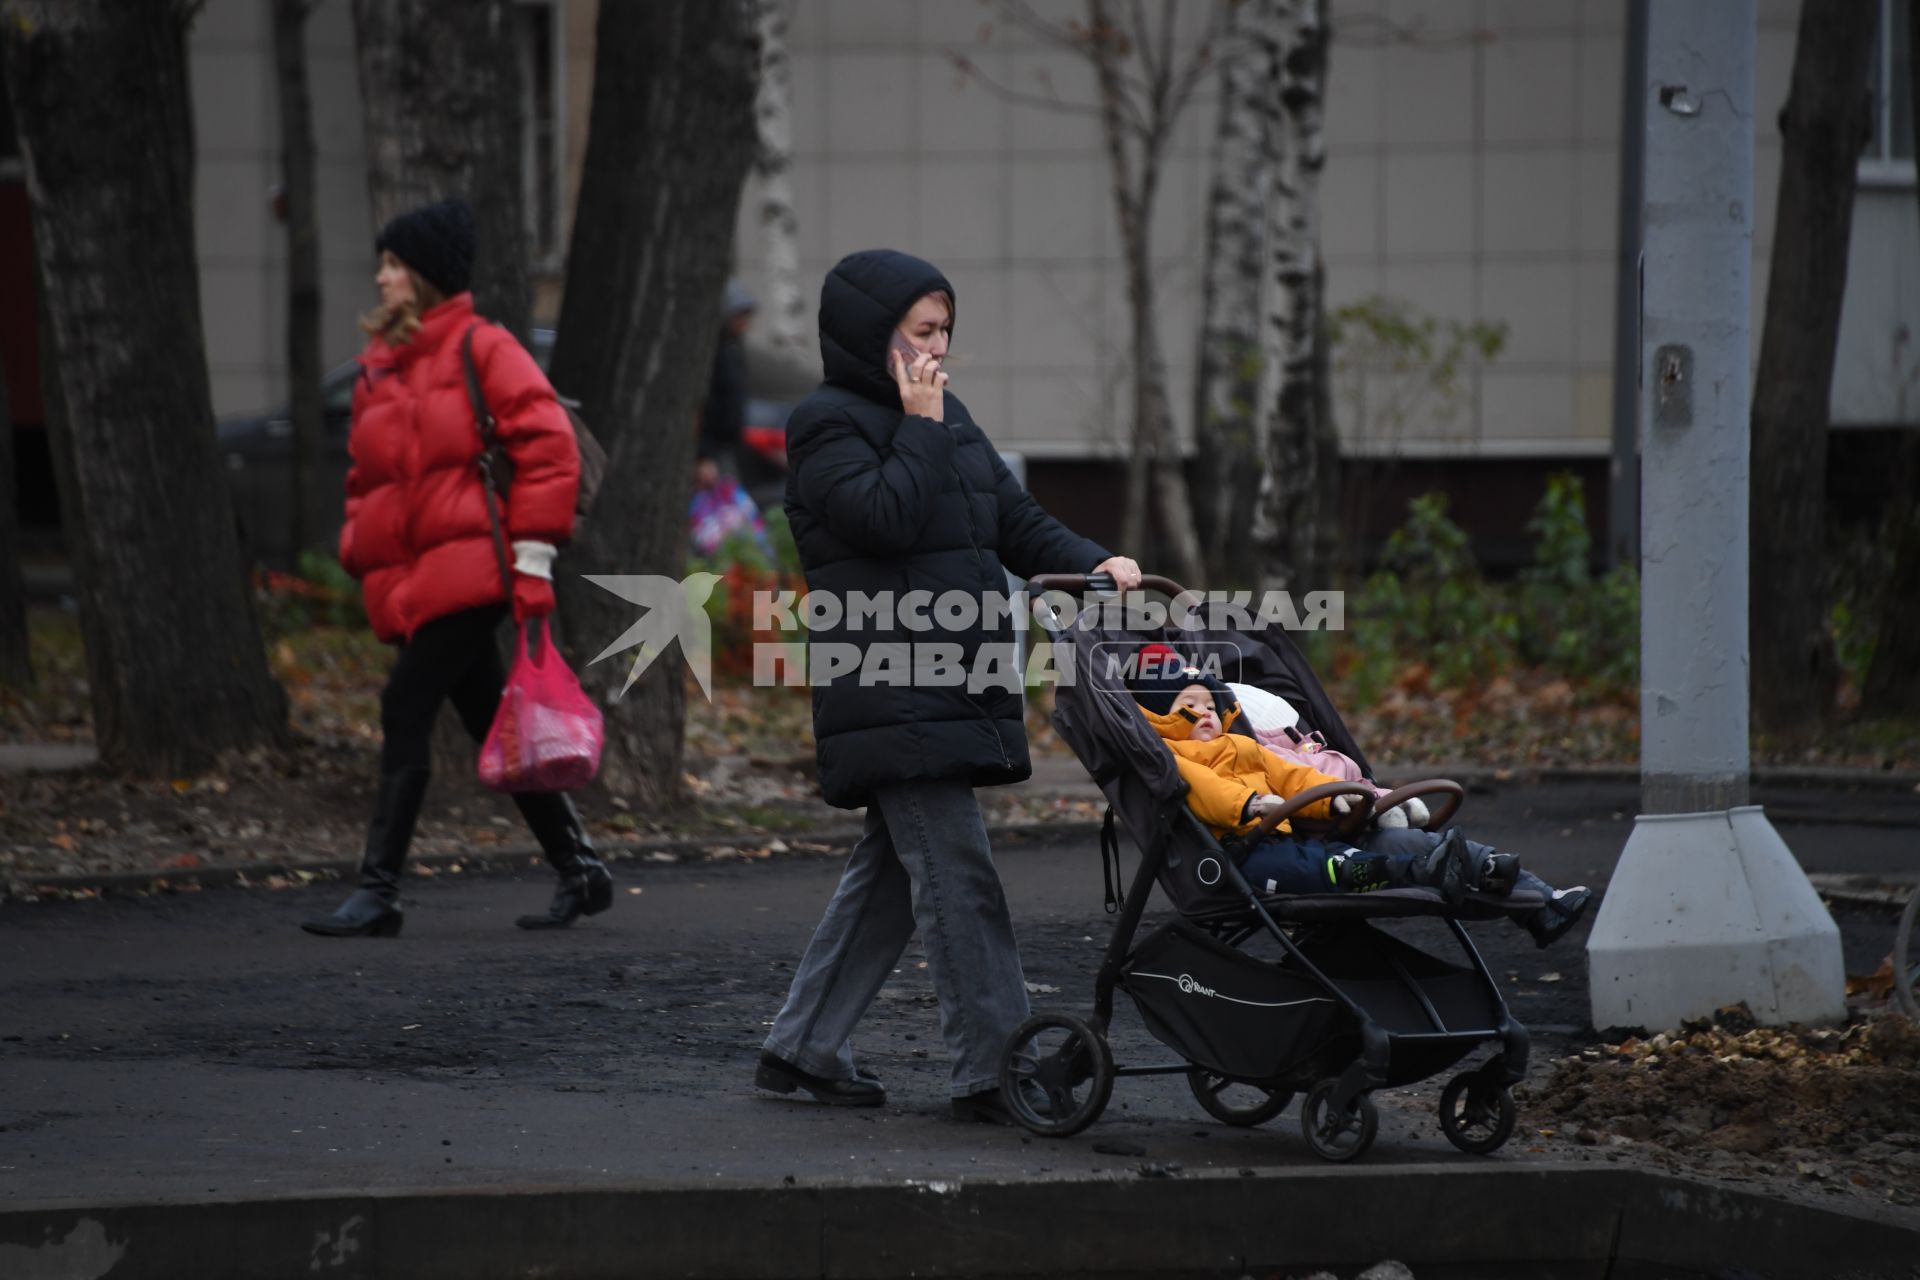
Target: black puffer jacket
{"points": [[882, 502]]}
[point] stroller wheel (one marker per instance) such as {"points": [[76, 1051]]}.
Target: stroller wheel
{"points": [[1335, 1134], [1057, 1074], [1476, 1116], [1234, 1102]]}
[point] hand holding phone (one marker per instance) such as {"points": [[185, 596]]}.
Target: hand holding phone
{"points": [[925, 397]]}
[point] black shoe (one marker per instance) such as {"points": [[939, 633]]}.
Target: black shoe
{"points": [[367, 914], [587, 893], [1498, 874], [1448, 867], [990, 1106], [780, 1076], [1563, 911]]}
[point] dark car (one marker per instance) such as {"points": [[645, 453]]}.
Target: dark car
{"points": [[259, 447]]}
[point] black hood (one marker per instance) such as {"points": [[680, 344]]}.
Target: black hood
{"points": [[861, 303]]}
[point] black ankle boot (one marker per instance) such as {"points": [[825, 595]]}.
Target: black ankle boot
{"points": [[1448, 867], [366, 914], [586, 886], [588, 892], [374, 909]]}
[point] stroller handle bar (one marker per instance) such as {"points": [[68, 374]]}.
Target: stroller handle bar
{"points": [[1301, 799], [1101, 582]]}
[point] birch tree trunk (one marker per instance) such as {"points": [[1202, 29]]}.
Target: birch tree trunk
{"points": [[305, 517], [174, 660], [1294, 500], [1229, 411], [671, 139], [783, 318], [1823, 128], [16, 656], [440, 80]]}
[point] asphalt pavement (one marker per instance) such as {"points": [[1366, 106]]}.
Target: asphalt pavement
{"points": [[199, 1043]]}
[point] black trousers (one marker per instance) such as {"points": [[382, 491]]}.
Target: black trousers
{"points": [[452, 658]]}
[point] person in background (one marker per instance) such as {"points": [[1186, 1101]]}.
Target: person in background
{"points": [[418, 538], [725, 410]]}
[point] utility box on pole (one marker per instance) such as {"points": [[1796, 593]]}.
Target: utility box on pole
{"points": [[1707, 906]]}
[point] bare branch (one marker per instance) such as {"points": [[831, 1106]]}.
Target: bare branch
{"points": [[1143, 47], [968, 67]]}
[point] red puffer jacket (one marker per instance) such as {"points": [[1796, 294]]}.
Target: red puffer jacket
{"points": [[416, 531]]}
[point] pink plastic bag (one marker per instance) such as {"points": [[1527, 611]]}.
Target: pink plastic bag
{"points": [[547, 734]]}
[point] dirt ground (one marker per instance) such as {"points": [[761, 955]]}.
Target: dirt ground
{"points": [[1830, 1112]]}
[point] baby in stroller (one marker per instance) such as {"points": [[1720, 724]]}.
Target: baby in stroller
{"points": [[1233, 780]]}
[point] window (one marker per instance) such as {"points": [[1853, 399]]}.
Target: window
{"points": [[1889, 153], [542, 141]]}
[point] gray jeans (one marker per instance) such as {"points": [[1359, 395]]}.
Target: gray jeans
{"points": [[923, 863]]}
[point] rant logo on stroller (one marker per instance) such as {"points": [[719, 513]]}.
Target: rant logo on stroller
{"points": [[1188, 985]]}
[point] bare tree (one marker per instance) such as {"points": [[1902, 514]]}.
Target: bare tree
{"points": [[440, 80], [1264, 435], [784, 318], [1145, 76], [1824, 125], [304, 513], [174, 660], [1229, 411], [1299, 477], [668, 148]]}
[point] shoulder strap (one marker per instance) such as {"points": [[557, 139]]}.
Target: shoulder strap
{"points": [[489, 440], [482, 415]]}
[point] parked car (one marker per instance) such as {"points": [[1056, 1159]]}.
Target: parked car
{"points": [[259, 448]]}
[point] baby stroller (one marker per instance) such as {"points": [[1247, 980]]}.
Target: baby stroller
{"points": [[1346, 1009]]}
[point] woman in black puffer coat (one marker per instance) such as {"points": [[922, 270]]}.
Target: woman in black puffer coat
{"points": [[893, 489]]}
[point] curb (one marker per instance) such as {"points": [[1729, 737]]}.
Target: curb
{"points": [[493, 861], [1567, 1220]]}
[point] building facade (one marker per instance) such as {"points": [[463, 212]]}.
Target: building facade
{"points": [[1472, 176]]}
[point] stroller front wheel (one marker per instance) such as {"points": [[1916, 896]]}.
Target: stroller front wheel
{"points": [[1056, 1075], [1476, 1116], [1333, 1133], [1210, 1090]]}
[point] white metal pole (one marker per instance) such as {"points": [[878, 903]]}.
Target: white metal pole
{"points": [[1707, 906]]}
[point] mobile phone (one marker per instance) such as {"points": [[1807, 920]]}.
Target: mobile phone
{"points": [[908, 353]]}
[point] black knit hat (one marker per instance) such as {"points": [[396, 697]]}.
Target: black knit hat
{"points": [[436, 240], [1160, 674]]}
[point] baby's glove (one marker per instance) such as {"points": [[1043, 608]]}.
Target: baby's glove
{"points": [[1408, 813]]}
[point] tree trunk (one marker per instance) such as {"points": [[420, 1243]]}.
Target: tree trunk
{"points": [[1294, 502], [440, 80], [1891, 686], [305, 517], [668, 148], [1229, 412], [174, 660], [1156, 479], [16, 656], [1824, 126], [784, 318]]}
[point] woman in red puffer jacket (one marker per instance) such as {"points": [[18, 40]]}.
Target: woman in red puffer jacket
{"points": [[418, 537]]}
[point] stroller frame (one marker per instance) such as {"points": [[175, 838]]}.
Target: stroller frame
{"points": [[1338, 1117]]}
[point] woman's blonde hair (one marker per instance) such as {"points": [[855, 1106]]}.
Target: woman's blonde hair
{"points": [[397, 324]]}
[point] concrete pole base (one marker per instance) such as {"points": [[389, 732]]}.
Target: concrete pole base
{"points": [[1707, 910]]}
